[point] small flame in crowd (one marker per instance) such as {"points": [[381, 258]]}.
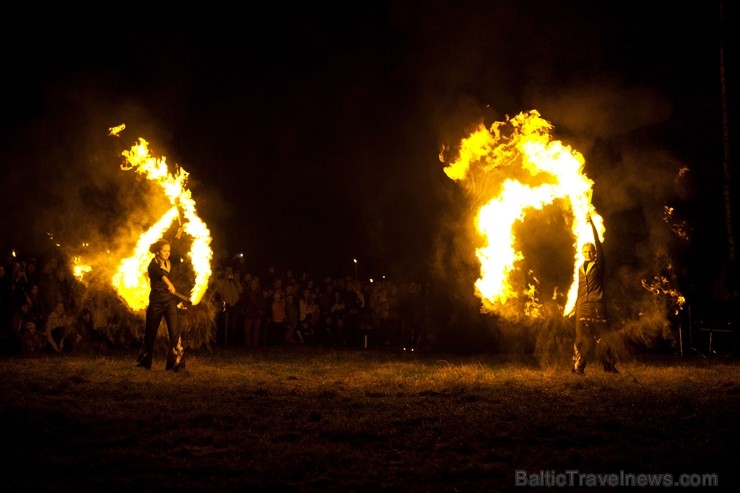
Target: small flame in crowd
{"points": [[131, 280], [517, 168], [79, 268]]}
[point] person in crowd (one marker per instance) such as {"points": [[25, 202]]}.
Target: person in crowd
{"points": [[291, 317], [59, 330], [48, 284], [93, 338], [324, 300], [162, 304], [337, 310], [354, 303], [252, 304], [32, 273], [278, 317], [590, 309], [65, 292], [307, 314], [228, 290], [11, 335], [20, 282], [36, 307]]}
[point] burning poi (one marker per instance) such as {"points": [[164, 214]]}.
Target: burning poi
{"points": [[130, 280], [515, 168]]}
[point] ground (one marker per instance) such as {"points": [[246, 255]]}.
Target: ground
{"points": [[309, 419]]}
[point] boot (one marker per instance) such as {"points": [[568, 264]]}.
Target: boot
{"points": [[175, 357], [144, 360]]}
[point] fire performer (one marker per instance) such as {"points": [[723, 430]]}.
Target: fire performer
{"points": [[163, 300], [591, 316]]}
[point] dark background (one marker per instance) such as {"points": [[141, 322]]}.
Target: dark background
{"points": [[312, 132]]}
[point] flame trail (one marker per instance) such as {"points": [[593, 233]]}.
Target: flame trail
{"points": [[131, 280], [516, 168]]}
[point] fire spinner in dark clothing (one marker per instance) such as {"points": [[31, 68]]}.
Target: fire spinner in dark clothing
{"points": [[591, 315], [162, 304]]}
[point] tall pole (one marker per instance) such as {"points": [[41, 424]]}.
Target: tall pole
{"points": [[357, 278], [726, 146]]}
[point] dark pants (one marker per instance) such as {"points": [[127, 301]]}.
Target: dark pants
{"points": [[591, 327], [154, 314]]}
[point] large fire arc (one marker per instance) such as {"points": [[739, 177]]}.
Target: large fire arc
{"points": [[130, 280], [515, 168]]}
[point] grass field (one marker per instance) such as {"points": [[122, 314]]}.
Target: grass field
{"points": [[320, 419]]}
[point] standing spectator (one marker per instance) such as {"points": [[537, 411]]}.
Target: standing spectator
{"points": [[252, 305], [354, 304], [337, 319], [380, 311], [291, 317], [228, 291], [306, 315], [278, 316], [324, 300]]}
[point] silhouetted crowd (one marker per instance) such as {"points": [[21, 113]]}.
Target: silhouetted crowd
{"points": [[45, 308], [272, 309]]}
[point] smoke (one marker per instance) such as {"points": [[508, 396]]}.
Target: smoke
{"points": [[634, 183], [635, 180]]}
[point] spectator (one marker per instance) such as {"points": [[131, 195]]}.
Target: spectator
{"points": [[59, 332], [27, 330], [337, 319], [278, 317], [11, 341], [252, 305], [228, 292], [291, 318], [354, 303], [307, 311], [37, 308]]}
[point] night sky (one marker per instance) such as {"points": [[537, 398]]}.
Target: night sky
{"points": [[312, 133]]}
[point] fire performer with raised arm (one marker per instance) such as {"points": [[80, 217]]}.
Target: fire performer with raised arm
{"points": [[591, 316], [163, 300]]}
